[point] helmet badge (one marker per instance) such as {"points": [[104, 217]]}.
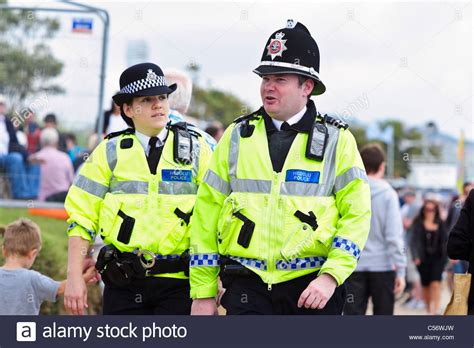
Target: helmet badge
{"points": [[151, 75], [277, 46]]}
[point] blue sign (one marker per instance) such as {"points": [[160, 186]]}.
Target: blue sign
{"points": [[176, 175], [299, 175], [82, 25]]}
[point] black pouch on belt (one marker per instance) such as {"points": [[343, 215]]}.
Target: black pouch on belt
{"points": [[126, 227], [118, 273], [119, 268], [246, 231], [106, 254]]}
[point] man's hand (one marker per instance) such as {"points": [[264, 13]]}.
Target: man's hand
{"points": [[318, 292], [399, 285], [417, 261], [220, 292], [204, 306]]}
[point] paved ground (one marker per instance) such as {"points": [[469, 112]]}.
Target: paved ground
{"points": [[402, 310]]}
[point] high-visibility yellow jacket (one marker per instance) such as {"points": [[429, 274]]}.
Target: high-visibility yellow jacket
{"points": [[115, 183], [240, 185]]}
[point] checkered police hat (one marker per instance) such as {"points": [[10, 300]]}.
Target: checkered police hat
{"points": [[292, 50], [142, 80]]}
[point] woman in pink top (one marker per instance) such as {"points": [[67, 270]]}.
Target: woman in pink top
{"points": [[57, 172]]}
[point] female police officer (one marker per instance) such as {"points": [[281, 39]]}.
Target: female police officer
{"points": [[137, 190]]}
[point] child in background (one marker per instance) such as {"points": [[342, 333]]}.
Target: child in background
{"points": [[23, 290]]}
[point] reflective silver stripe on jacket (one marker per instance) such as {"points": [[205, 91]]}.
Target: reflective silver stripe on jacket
{"points": [[300, 263], [234, 151], [195, 154], [329, 170], [243, 185], [348, 176], [177, 188], [251, 185], [111, 153], [90, 186], [216, 182], [131, 186]]}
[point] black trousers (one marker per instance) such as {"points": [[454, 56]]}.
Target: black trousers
{"points": [[250, 295], [378, 285], [152, 295]]}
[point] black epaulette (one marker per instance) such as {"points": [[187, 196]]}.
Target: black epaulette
{"points": [[192, 129], [253, 116], [335, 122], [116, 134], [246, 129]]}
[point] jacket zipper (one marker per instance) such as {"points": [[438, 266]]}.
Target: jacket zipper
{"points": [[274, 207]]}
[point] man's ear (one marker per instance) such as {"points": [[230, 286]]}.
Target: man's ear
{"points": [[308, 87]]}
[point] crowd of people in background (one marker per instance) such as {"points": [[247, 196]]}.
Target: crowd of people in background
{"points": [[428, 220], [40, 162], [37, 162]]}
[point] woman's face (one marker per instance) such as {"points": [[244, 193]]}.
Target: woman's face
{"points": [[430, 208], [149, 114]]}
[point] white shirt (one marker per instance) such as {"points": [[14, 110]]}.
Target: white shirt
{"points": [[116, 124], [292, 120], [144, 139], [4, 137]]}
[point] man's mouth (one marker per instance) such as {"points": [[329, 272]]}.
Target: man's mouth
{"points": [[270, 98]]}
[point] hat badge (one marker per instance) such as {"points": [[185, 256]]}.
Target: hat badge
{"points": [[151, 75], [277, 46]]}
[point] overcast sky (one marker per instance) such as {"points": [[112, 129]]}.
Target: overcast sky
{"points": [[406, 60]]}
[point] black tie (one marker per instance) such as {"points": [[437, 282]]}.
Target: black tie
{"points": [[154, 154], [285, 126]]}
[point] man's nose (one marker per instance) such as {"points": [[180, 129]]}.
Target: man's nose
{"points": [[269, 85]]}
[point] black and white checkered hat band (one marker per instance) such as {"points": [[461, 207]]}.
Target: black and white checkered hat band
{"points": [[140, 85]]}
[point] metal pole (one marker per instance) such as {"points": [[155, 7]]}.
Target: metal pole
{"points": [[391, 157], [105, 42], [104, 16]]}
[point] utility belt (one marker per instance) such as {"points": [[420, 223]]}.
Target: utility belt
{"points": [[231, 267], [121, 268]]}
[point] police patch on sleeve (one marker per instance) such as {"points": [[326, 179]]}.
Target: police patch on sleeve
{"points": [[176, 175], [299, 175]]}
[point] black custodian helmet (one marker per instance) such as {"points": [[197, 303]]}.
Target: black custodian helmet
{"points": [[292, 50]]}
